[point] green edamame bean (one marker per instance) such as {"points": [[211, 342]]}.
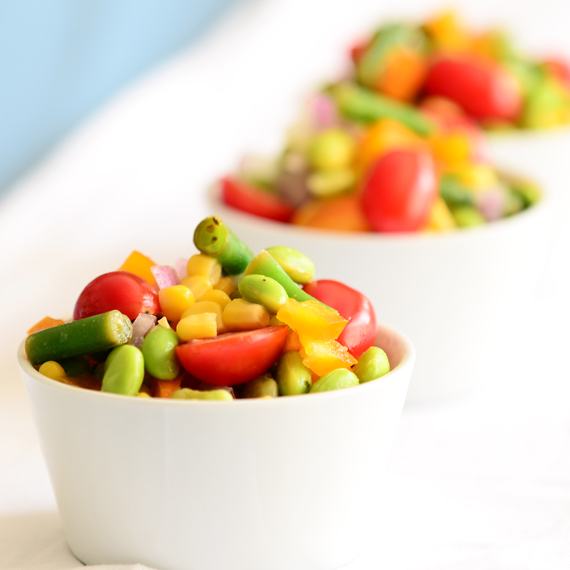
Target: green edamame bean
{"points": [[296, 264], [75, 366], [332, 149], [467, 217], [371, 365], [261, 387], [263, 291], [124, 371], [335, 380], [188, 394], [158, 349], [327, 183], [292, 376]]}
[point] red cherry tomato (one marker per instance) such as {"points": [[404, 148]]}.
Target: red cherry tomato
{"points": [[241, 196], [400, 190], [360, 332], [233, 358], [482, 88], [117, 290], [560, 68]]}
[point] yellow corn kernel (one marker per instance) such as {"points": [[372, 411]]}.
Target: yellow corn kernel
{"points": [[206, 266], [144, 388], [206, 307], [174, 301], [202, 325], [198, 284], [440, 218], [53, 370], [163, 323], [240, 315], [226, 285], [143, 395], [216, 296], [140, 265]]}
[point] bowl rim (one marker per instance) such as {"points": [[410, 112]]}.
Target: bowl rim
{"points": [[543, 206], [400, 370]]}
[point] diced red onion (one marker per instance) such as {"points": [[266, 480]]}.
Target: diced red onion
{"points": [[492, 204], [165, 276], [180, 268], [141, 326], [324, 111]]}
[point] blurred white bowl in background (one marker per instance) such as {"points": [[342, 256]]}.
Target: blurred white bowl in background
{"points": [[447, 291], [282, 484]]}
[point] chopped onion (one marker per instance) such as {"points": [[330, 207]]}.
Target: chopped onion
{"points": [[324, 111], [180, 268], [492, 204], [141, 327], [165, 276]]}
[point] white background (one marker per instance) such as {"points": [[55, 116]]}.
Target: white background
{"points": [[478, 483]]}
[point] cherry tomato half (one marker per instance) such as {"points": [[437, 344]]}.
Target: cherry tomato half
{"points": [[119, 290], [360, 332], [400, 190], [482, 88], [241, 196], [233, 358]]}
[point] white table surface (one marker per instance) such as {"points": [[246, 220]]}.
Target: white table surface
{"points": [[479, 483]]}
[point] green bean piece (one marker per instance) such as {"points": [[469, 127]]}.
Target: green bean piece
{"points": [[189, 394], [296, 264], [263, 386], [454, 193], [335, 380], [75, 366], [124, 371], [371, 365], [467, 217], [159, 351], [263, 291], [265, 264], [85, 336], [212, 237], [292, 376], [363, 105]]}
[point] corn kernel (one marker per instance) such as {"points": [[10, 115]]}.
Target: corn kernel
{"points": [[240, 314], [198, 284], [206, 266], [207, 307], [202, 325], [163, 323], [216, 296], [174, 301], [53, 370], [226, 285], [143, 395]]}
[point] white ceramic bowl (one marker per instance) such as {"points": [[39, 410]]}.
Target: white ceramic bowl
{"points": [[447, 291], [255, 484]]}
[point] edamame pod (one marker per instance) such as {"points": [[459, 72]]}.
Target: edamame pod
{"points": [[158, 349], [212, 237], [188, 394], [124, 371], [263, 291], [335, 380], [84, 336], [371, 365], [363, 105], [263, 386], [296, 264], [292, 376]]}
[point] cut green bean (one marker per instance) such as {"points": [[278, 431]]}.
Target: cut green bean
{"points": [[84, 336], [371, 365], [212, 237], [124, 371], [188, 394]]}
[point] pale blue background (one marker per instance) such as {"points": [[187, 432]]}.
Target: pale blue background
{"points": [[60, 59]]}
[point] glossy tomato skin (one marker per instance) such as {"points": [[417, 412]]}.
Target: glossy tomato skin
{"points": [[242, 196], [360, 332], [399, 190], [118, 290], [233, 358], [482, 88]]}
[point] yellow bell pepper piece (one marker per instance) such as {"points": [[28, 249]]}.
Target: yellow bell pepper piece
{"points": [[323, 357], [440, 218], [140, 265]]}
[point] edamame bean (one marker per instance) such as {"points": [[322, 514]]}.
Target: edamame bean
{"points": [[332, 149], [335, 380], [260, 387], [327, 183], [371, 365], [189, 394], [263, 291], [292, 376], [158, 349], [75, 366], [467, 217], [296, 264], [124, 371]]}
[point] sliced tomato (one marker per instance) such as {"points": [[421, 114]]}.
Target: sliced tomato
{"points": [[242, 196], [360, 332], [233, 358]]}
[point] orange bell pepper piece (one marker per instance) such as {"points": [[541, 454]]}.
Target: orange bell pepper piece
{"points": [[139, 265], [404, 72], [45, 323], [165, 388]]}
